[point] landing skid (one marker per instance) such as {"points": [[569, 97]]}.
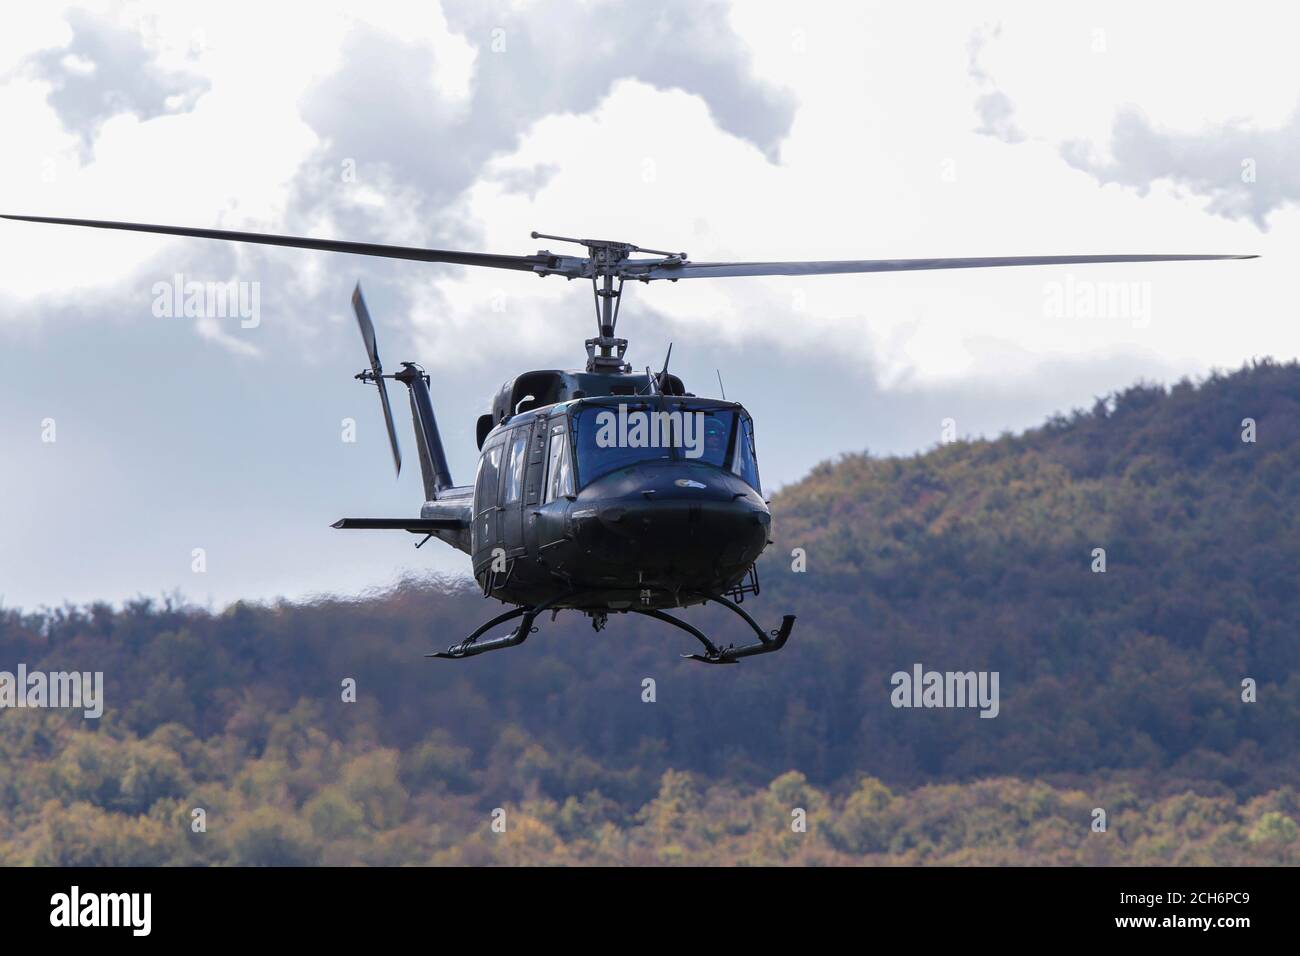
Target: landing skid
{"points": [[472, 645], [731, 653], [766, 644]]}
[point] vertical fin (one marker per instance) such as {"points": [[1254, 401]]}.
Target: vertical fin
{"points": [[433, 460]]}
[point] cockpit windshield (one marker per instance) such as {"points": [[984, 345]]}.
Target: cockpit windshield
{"points": [[610, 437]]}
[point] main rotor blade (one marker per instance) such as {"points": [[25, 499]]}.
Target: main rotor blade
{"points": [[520, 263], [712, 270], [372, 351]]}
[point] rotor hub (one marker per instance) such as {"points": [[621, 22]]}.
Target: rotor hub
{"points": [[607, 261]]}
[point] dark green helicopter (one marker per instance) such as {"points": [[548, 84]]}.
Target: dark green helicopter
{"points": [[603, 490]]}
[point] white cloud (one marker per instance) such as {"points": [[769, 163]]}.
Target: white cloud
{"points": [[863, 175]]}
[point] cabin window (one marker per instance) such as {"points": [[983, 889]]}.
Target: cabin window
{"points": [[515, 465], [559, 466]]}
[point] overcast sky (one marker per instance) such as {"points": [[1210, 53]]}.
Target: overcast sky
{"points": [[750, 131]]}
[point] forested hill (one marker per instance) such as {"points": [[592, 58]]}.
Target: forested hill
{"points": [[981, 554], [1119, 688]]}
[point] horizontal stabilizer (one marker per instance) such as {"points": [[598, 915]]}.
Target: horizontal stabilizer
{"points": [[413, 525]]}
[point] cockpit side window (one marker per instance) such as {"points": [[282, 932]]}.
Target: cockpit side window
{"points": [[744, 460], [714, 434], [487, 481], [515, 465], [559, 465]]}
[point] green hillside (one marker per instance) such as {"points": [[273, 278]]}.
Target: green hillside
{"points": [[1119, 690]]}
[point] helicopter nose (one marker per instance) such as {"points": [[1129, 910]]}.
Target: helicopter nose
{"points": [[672, 516], [675, 482]]}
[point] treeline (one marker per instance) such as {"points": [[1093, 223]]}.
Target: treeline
{"points": [[974, 556], [94, 799]]}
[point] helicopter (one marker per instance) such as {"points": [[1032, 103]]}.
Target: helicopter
{"points": [[602, 490]]}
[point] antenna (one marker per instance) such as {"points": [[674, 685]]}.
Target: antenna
{"points": [[724, 391], [662, 377]]}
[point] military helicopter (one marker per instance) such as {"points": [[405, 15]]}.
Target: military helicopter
{"points": [[604, 490]]}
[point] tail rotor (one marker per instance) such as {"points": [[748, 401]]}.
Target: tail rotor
{"points": [[376, 371]]}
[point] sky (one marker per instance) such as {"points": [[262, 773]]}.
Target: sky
{"points": [[147, 453]]}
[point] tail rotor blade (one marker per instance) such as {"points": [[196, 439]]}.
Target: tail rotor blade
{"points": [[372, 352], [367, 328], [388, 423]]}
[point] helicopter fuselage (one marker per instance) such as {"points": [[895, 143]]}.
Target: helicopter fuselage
{"points": [[615, 524]]}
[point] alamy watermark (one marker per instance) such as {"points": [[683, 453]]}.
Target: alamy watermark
{"points": [[1089, 299], [130, 910], [922, 688], [646, 429], [75, 690], [179, 297]]}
